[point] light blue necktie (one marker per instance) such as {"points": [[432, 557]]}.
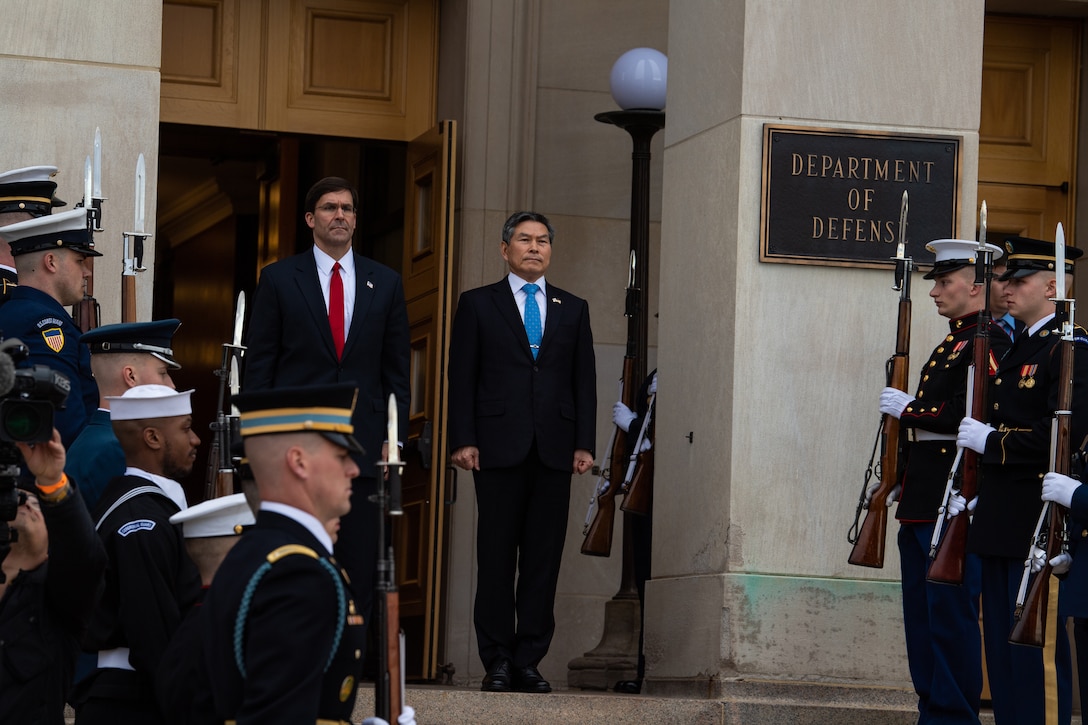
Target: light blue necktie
{"points": [[533, 328]]}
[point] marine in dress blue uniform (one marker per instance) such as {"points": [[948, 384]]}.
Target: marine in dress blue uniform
{"points": [[25, 193], [1015, 449], [944, 648], [95, 458], [49, 252], [282, 635], [1071, 567], [151, 582]]}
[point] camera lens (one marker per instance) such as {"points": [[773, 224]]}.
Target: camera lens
{"points": [[24, 420]]}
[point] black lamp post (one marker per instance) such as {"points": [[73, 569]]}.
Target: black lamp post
{"points": [[638, 86]]}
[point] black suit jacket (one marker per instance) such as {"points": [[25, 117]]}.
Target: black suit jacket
{"points": [[289, 342], [501, 399]]}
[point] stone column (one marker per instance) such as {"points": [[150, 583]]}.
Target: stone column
{"points": [[769, 373]]}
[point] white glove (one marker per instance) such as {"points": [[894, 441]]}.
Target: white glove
{"points": [[1037, 557], [407, 715], [893, 495], [973, 434], [622, 416], [957, 504], [646, 445], [1059, 488], [653, 385], [894, 401], [1060, 564]]}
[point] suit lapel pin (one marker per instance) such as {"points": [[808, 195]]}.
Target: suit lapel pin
{"points": [[370, 284], [557, 301]]}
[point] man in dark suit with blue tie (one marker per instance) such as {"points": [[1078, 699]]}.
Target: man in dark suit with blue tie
{"points": [[330, 315], [523, 408]]}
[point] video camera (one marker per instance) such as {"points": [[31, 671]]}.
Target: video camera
{"points": [[28, 397]]}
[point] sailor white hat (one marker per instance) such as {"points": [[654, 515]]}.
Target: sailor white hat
{"points": [[150, 401], [223, 516]]}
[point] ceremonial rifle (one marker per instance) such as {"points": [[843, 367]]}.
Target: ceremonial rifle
{"points": [[870, 539], [87, 313], [220, 477], [389, 688], [133, 260], [949, 551], [598, 538], [638, 483], [1050, 533]]}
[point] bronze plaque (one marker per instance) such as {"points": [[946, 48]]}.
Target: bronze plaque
{"points": [[832, 196]]}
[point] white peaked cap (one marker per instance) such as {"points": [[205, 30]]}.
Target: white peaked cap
{"points": [[150, 401], [223, 516]]}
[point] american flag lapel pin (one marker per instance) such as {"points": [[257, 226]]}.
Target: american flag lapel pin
{"points": [[370, 284]]}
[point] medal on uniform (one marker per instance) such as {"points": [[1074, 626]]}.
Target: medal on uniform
{"points": [[1027, 376], [956, 350], [346, 688]]}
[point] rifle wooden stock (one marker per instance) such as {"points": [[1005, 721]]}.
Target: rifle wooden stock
{"points": [[598, 540], [950, 562], [392, 649], [869, 548], [87, 313], [1030, 626], [128, 298], [640, 492]]}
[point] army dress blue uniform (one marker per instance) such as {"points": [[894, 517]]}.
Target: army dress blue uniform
{"points": [[301, 649], [944, 649], [151, 584], [1023, 397], [53, 339]]}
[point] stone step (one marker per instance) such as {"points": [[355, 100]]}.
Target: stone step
{"points": [[747, 702], [741, 703]]}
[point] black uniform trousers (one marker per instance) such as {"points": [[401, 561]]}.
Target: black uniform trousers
{"points": [[522, 529]]}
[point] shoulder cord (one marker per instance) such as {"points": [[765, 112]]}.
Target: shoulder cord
{"points": [[251, 588]]}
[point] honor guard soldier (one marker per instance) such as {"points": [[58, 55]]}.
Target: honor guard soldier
{"points": [[944, 650], [1072, 567], [49, 253], [151, 582], [25, 193], [1015, 453], [281, 632], [122, 357]]}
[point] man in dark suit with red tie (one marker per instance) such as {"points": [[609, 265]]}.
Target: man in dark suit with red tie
{"points": [[331, 315], [523, 408]]}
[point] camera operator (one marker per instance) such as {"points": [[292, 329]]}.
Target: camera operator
{"points": [[53, 577]]}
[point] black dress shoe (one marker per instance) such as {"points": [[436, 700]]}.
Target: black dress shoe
{"points": [[628, 687], [497, 678], [528, 679]]}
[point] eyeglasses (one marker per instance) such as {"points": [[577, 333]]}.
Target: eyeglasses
{"points": [[348, 209]]}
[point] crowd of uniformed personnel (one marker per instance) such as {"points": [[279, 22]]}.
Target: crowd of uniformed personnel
{"points": [[107, 601], [1012, 440], [144, 630]]}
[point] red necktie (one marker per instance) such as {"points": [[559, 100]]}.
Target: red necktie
{"points": [[336, 309]]}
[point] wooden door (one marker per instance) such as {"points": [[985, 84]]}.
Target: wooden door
{"points": [[421, 534], [1028, 124], [1028, 129]]}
